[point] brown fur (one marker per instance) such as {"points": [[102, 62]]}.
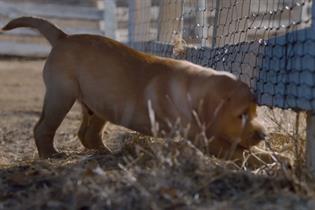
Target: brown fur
{"points": [[121, 85]]}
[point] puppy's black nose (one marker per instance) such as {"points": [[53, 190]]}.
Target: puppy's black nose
{"points": [[260, 135]]}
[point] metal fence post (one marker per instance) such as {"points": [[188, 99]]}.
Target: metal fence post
{"points": [[110, 20]]}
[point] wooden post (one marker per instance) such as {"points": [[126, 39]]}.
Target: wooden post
{"points": [[139, 20], [215, 24], [310, 126], [230, 22], [110, 20], [202, 22], [108, 23], [170, 22], [310, 144]]}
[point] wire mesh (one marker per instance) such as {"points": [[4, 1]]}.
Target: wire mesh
{"points": [[268, 44]]}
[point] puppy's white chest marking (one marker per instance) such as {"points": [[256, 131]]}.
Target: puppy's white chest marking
{"points": [[179, 98]]}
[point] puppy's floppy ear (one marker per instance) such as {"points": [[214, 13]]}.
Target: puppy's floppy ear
{"points": [[243, 89], [212, 108]]}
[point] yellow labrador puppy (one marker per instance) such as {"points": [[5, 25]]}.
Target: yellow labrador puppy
{"points": [[145, 93]]}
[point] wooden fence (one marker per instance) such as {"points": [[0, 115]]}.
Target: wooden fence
{"points": [[103, 19]]}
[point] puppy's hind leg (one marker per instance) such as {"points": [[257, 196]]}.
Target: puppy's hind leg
{"points": [[91, 131], [57, 103]]}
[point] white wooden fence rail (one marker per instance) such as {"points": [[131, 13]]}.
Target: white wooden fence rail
{"points": [[113, 22], [103, 15], [50, 10]]}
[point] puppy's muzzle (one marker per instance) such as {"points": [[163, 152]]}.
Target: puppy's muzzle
{"points": [[260, 135]]}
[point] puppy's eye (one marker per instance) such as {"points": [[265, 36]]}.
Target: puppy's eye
{"points": [[241, 116], [244, 118]]}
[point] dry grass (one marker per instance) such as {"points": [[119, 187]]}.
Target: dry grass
{"points": [[143, 172]]}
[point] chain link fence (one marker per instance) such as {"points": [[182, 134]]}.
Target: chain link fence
{"points": [[268, 44]]}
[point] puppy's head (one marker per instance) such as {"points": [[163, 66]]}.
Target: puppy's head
{"points": [[234, 118]]}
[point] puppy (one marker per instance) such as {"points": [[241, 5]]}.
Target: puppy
{"points": [[145, 93]]}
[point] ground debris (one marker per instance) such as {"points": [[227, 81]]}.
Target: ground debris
{"points": [[145, 174]]}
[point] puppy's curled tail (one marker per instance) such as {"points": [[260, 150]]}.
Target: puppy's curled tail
{"points": [[51, 32]]}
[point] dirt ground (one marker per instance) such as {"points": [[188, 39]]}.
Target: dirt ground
{"points": [[141, 174], [22, 91]]}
